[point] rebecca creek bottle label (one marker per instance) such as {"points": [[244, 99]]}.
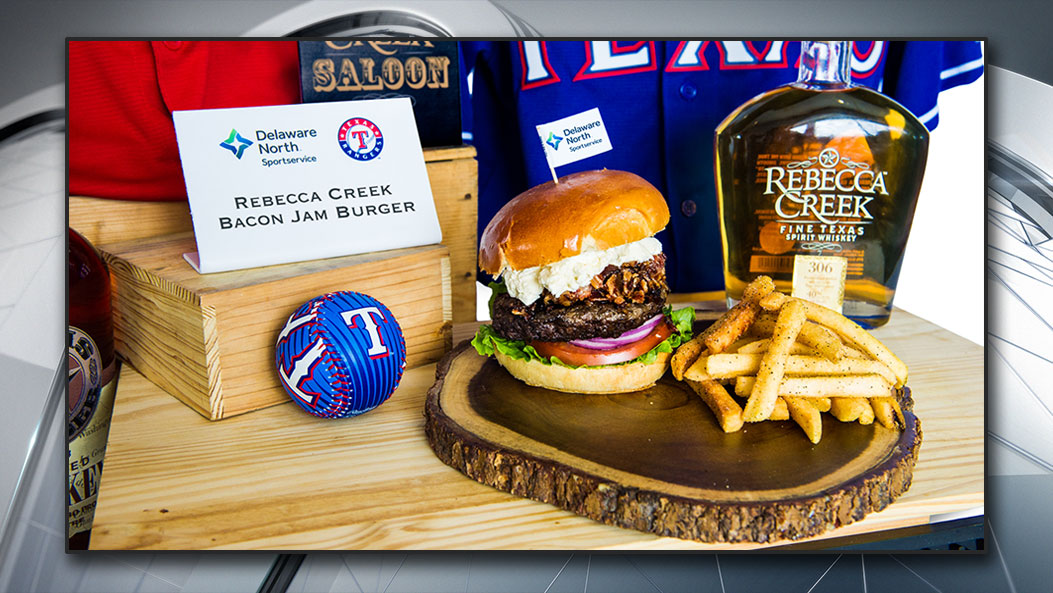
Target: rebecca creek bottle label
{"points": [[90, 404], [819, 204]]}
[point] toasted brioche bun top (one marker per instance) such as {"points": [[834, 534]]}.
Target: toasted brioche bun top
{"points": [[553, 221]]}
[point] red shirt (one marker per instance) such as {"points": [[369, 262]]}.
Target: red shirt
{"points": [[121, 95]]}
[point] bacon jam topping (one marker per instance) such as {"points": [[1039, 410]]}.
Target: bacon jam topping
{"points": [[632, 282]]}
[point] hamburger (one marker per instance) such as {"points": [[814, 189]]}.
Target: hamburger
{"points": [[579, 303]]}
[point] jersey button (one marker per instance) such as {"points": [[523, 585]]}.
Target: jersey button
{"points": [[688, 91], [688, 208], [173, 45]]}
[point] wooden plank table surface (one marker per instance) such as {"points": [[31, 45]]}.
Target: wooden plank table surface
{"points": [[281, 479]]}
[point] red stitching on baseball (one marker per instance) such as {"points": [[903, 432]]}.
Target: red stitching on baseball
{"points": [[341, 396]]}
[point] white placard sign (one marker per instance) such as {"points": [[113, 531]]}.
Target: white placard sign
{"points": [[289, 183]]}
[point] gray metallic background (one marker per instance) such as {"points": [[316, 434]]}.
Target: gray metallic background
{"points": [[1018, 507]]}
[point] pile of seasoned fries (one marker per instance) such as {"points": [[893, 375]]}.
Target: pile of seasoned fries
{"points": [[791, 358]]}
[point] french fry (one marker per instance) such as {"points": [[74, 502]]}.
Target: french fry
{"points": [[849, 385], [807, 417], [851, 352], [866, 416], [817, 337], [761, 287], [761, 346], [754, 347], [724, 407], [821, 403], [780, 412], [738, 319], [726, 366], [899, 412], [773, 363], [846, 386], [730, 327], [763, 324], [885, 411], [860, 337], [686, 355], [697, 371], [773, 301], [825, 342], [847, 409], [815, 366], [739, 343]]}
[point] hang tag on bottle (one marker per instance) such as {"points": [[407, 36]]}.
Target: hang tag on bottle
{"points": [[820, 279]]}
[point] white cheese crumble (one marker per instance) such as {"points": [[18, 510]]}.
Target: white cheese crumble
{"points": [[574, 272]]}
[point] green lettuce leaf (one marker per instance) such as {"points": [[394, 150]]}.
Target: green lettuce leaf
{"points": [[486, 341], [496, 288]]}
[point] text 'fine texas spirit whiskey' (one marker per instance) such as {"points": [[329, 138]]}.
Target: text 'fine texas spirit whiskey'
{"points": [[817, 182]]}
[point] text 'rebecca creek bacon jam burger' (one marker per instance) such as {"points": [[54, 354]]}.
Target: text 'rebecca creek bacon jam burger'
{"points": [[580, 302]]}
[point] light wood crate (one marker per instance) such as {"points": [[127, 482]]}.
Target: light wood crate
{"points": [[453, 174], [209, 339]]}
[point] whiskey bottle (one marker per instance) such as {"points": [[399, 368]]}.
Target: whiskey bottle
{"points": [[817, 182], [92, 383]]}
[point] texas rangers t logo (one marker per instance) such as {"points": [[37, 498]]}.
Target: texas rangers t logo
{"points": [[377, 349], [360, 139]]}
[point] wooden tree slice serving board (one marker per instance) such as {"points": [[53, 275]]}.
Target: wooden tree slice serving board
{"points": [[657, 461]]}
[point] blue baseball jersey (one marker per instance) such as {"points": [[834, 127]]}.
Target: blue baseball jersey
{"points": [[661, 102]]}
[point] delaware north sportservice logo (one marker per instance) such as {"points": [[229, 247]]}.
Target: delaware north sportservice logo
{"points": [[236, 143], [360, 139], [553, 140]]}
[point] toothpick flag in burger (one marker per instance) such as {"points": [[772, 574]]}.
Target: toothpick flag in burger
{"points": [[580, 303]]}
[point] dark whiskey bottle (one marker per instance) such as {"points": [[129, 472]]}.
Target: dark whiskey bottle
{"points": [[92, 382]]}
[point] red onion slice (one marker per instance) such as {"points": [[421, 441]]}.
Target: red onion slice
{"points": [[627, 338]]}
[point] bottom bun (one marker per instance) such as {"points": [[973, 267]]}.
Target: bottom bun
{"points": [[606, 379]]}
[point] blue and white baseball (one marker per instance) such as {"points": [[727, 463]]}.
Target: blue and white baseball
{"points": [[340, 354]]}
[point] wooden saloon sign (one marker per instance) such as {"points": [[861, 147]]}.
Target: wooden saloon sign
{"points": [[425, 71]]}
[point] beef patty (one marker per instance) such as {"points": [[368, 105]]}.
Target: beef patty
{"points": [[615, 301]]}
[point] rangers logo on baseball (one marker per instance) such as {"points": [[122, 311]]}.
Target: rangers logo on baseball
{"points": [[376, 342]]}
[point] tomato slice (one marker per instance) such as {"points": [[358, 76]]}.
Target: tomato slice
{"points": [[578, 356]]}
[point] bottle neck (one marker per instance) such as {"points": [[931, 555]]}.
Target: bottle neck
{"points": [[825, 65]]}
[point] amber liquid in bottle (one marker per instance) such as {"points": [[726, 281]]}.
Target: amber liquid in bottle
{"points": [[92, 383], [820, 168]]}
